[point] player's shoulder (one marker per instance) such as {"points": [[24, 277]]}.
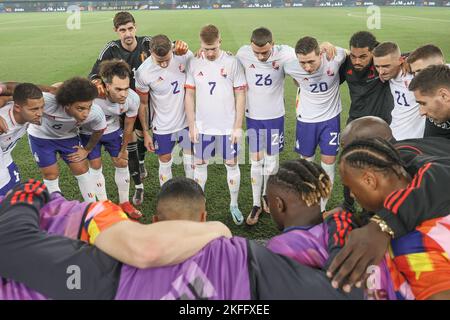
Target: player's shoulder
{"points": [[111, 45], [96, 112], [244, 51], [145, 67], [144, 41], [133, 97], [49, 101]]}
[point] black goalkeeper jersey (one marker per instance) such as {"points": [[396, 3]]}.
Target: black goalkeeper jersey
{"points": [[369, 96], [114, 50], [433, 129]]}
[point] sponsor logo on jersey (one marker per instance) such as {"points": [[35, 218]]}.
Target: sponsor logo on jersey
{"points": [[200, 74], [252, 66]]}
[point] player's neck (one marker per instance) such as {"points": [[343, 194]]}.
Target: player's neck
{"points": [[304, 216], [130, 47]]}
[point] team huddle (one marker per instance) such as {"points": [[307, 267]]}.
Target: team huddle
{"points": [[149, 94]]}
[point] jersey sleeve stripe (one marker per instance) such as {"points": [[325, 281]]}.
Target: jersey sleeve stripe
{"points": [[414, 185], [188, 86], [108, 45], [141, 93], [240, 88]]}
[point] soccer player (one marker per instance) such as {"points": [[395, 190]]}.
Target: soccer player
{"points": [[133, 50], [263, 62], [249, 271], [373, 171], [27, 107], [215, 102], [64, 113], [407, 122], [369, 95], [367, 245], [119, 100], [432, 91], [418, 60], [319, 103], [163, 75]]}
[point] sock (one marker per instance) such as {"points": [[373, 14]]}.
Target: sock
{"points": [[188, 162], [270, 168], [165, 171], [310, 159], [234, 181], [256, 174], [52, 185], [329, 169], [87, 188], [133, 163], [141, 148], [99, 179], [122, 179], [201, 174]]}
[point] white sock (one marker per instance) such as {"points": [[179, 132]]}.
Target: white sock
{"points": [[99, 179], [188, 162], [52, 185], [165, 171], [329, 169], [270, 168], [139, 186], [310, 159], [122, 179], [256, 174], [234, 181], [201, 174], [87, 188]]}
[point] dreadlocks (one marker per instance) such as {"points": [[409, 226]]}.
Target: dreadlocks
{"points": [[306, 178], [375, 153]]}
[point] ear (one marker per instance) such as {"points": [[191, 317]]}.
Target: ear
{"points": [[155, 218], [203, 216], [370, 180], [445, 94], [281, 206]]}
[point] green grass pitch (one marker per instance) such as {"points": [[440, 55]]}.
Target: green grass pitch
{"points": [[37, 47]]}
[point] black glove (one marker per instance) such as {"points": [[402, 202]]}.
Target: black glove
{"points": [[32, 192]]}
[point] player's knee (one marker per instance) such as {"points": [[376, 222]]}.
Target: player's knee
{"points": [[165, 157], [96, 164]]}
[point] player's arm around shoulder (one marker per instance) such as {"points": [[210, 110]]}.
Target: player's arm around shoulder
{"points": [[158, 244]]}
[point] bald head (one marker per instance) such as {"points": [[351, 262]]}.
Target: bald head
{"points": [[366, 128], [181, 199]]}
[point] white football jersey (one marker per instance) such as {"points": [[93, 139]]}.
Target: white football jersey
{"points": [[214, 83], [57, 124], [9, 139], [113, 111], [166, 87], [407, 123], [319, 99], [265, 94]]}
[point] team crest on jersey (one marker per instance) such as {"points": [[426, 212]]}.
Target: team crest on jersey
{"points": [[275, 65], [252, 66], [200, 74], [182, 68], [330, 72], [223, 72]]}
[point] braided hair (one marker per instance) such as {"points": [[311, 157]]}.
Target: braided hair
{"points": [[375, 153], [303, 177]]}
